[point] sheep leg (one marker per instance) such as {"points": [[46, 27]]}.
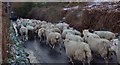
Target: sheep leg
{"points": [[106, 61], [60, 48], [23, 38], [50, 45], [88, 63], [53, 46], [43, 37], [72, 63], [70, 60], [46, 42], [15, 30], [40, 39], [26, 37], [83, 63]]}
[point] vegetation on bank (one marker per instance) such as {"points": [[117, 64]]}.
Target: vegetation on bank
{"points": [[88, 15]]}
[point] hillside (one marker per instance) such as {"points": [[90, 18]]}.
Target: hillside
{"points": [[80, 15]]}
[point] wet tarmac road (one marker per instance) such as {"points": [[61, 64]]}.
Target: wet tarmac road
{"points": [[44, 54]]}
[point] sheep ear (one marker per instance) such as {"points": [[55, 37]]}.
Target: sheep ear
{"points": [[66, 40], [57, 37]]}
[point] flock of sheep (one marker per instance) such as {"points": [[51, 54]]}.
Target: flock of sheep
{"points": [[78, 46]]}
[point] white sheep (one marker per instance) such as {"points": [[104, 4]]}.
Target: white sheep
{"points": [[53, 38], [62, 26], [77, 50], [31, 32], [15, 28], [55, 30], [50, 25], [115, 47], [39, 22], [38, 26], [73, 37], [44, 22], [42, 33], [65, 31], [77, 32], [105, 34], [44, 26], [24, 22], [101, 46], [24, 32], [87, 33], [30, 27], [118, 54]]}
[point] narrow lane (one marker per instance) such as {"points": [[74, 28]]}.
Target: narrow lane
{"points": [[45, 54]]}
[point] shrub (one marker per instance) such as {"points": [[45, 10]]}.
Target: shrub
{"points": [[23, 9]]}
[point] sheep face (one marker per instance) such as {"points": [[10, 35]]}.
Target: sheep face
{"points": [[85, 31], [58, 38], [42, 30], [86, 37]]}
